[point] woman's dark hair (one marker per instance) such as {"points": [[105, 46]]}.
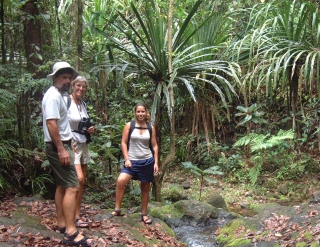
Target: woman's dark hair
{"points": [[148, 118]]}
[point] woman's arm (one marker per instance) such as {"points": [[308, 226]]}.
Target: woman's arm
{"points": [[155, 149], [124, 145]]}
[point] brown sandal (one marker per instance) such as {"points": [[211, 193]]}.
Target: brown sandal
{"points": [[147, 220], [81, 223], [117, 212], [60, 229]]}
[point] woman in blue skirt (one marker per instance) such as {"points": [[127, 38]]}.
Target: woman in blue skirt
{"points": [[140, 151]]}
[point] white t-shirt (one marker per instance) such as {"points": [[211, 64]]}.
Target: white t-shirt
{"points": [[54, 107], [75, 115]]}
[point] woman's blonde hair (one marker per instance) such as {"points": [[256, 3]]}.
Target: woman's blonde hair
{"points": [[78, 79], [148, 118]]}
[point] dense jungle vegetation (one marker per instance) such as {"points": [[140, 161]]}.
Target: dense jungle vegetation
{"points": [[232, 86]]}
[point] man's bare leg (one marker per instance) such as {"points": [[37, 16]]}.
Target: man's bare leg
{"points": [[58, 199], [69, 209]]}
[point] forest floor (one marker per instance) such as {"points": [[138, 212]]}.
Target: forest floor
{"points": [[106, 231], [31, 221]]}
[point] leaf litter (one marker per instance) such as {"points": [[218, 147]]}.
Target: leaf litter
{"points": [[110, 233]]}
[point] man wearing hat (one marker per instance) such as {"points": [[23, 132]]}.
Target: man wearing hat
{"points": [[57, 136]]}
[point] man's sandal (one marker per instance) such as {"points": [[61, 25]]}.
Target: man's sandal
{"points": [[146, 220], [81, 223], [60, 229], [117, 212], [69, 240]]}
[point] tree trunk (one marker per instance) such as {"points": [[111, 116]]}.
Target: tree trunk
{"points": [[79, 35], [3, 50], [171, 155], [73, 22], [32, 38], [59, 26]]}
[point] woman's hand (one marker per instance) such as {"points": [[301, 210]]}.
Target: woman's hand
{"points": [[91, 130], [127, 163], [155, 168]]}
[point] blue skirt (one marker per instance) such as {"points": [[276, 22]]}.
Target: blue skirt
{"points": [[142, 170]]}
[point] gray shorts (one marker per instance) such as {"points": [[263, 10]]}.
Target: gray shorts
{"points": [[65, 176]]}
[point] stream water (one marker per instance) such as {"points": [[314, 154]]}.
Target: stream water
{"points": [[204, 236], [197, 236]]}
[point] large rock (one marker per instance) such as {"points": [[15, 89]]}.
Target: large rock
{"points": [[190, 213], [216, 200], [315, 197]]}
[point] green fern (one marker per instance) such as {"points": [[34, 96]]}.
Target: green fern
{"points": [[255, 171], [258, 142]]}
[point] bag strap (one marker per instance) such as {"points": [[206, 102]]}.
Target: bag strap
{"points": [[132, 127], [149, 126], [67, 99]]}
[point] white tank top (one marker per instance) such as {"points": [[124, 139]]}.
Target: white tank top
{"points": [[139, 145]]}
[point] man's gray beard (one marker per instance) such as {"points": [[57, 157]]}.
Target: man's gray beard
{"points": [[65, 88]]}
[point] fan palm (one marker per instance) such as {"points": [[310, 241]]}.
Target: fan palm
{"points": [[146, 44], [282, 49]]}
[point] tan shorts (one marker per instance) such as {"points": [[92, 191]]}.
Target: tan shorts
{"points": [[82, 154]]}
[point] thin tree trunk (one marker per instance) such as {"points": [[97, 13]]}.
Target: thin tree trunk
{"points": [[79, 35], [59, 27], [171, 155], [3, 50], [73, 19]]}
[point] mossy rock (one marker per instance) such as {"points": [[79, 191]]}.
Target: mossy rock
{"points": [[216, 200], [301, 244], [314, 244], [174, 194], [240, 243], [186, 212], [226, 234], [262, 207]]}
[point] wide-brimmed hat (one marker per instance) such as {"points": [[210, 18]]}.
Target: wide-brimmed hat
{"points": [[62, 65]]}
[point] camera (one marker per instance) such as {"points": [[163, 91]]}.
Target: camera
{"points": [[84, 125]]}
